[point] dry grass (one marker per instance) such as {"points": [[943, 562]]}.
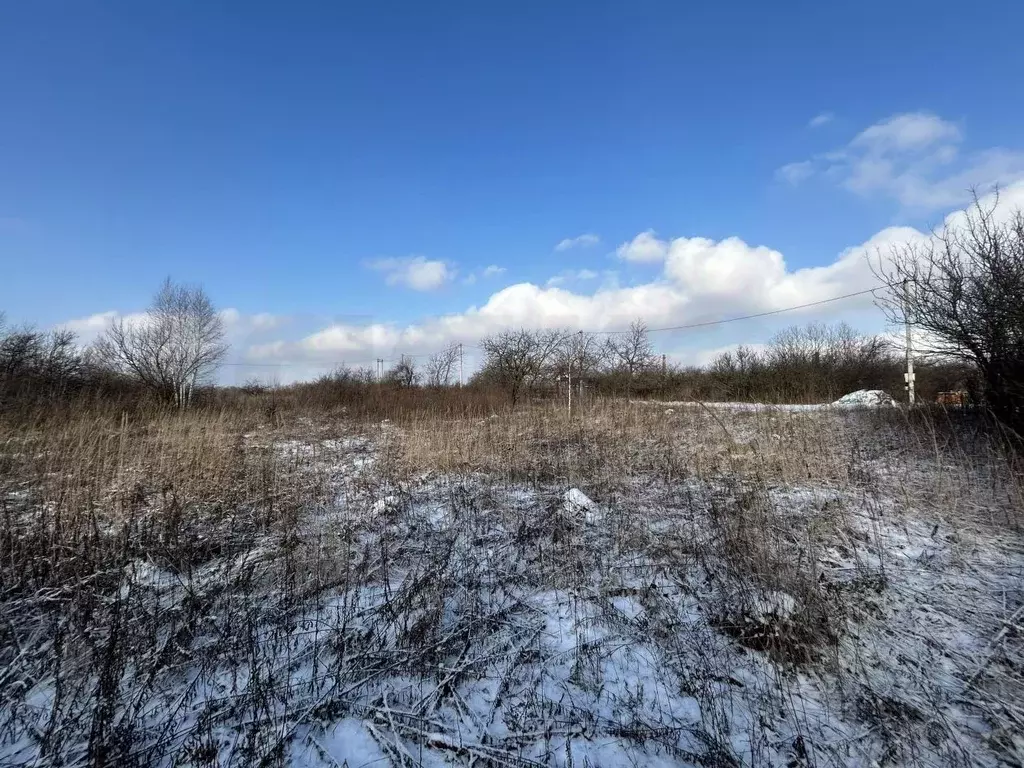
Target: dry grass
{"points": [[257, 587]]}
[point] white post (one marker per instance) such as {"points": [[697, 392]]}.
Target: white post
{"points": [[570, 388], [909, 375]]}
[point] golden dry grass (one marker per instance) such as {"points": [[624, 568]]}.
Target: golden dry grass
{"points": [[242, 542]]}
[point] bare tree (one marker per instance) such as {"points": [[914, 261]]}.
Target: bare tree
{"points": [[404, 373], [441, 366], [962, 288], [173, 348], [828, 360], [39, 364], [514, 360], [631, 351], [580, 350]]}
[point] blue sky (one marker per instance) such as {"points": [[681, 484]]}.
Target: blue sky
{"points": [[338, 173]]}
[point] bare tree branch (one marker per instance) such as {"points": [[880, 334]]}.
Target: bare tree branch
{"points": [[962, 290], [441, 366]]}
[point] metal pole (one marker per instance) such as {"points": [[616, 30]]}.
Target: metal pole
{"points": [[909, 376], [570, 388]]}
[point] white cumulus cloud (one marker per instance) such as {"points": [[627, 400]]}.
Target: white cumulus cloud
{"points": [[645, 247], [915, 158], [585, 240], [415, 272], [238, 326], [699, 280]]}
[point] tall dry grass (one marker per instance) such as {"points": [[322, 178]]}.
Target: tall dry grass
{"points": [[206, 587]]}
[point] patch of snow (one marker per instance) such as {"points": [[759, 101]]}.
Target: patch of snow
{"points": [[390, 503], [735, 406], [346, 742], [777, 605], [865, 398]]}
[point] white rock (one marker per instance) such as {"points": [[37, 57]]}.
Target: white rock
{"points": [[576, 502]]}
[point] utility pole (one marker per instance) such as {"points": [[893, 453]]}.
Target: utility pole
{"points": [[909, 375], [460, 364], [664, 365], [570, 388], [580, 377]]}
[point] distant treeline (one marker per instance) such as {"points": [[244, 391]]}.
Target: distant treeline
{"points": [[813, 363]]}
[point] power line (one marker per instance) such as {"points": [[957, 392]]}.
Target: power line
{"points": [[734, 319], [688, 326], [750, 316], [311, 364]]}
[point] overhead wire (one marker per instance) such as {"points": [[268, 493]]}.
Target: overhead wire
{"points": [[688, 326]]}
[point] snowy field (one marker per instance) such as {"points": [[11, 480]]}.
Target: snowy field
{"points": [[643, 586]]}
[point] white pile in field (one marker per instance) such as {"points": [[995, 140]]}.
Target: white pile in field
{"points": [[576, 503], [863, 398]]}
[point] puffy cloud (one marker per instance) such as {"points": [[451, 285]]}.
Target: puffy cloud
{"points": [[728, 267], [585, 240], [821, 119], [700, 280], [89, 328], [910, 131], [415, 272], [237, 325], [914, 158], [645, 247], [794, 173]]}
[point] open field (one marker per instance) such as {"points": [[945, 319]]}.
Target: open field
{"points": [[643, 585]]}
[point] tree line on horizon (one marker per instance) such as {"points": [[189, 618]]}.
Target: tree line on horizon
{"points": [[961, 287]]}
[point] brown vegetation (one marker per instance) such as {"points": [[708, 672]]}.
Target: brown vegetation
{"points": [[226, 583]]}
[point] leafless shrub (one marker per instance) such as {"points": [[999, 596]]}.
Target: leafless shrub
{"points": [[516, 359], [962, 288], [441, 366], [403, 373], [39, 365]]}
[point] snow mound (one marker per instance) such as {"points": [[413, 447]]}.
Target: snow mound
{"points": [[864, 398], [575, 502], [387, 505]]}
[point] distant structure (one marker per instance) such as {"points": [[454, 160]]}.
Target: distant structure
{"points": [[957, 398]]}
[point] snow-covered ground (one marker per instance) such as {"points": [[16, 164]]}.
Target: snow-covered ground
{"points": [[426, 618], [862, 398]]}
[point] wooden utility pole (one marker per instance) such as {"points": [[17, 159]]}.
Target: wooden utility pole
{"points": [[909, 375], [570, 388]]}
